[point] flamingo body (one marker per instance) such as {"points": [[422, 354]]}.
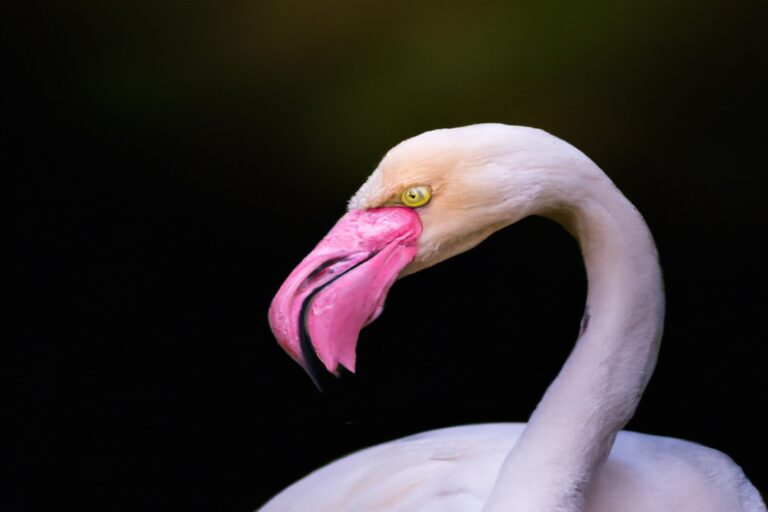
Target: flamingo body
{"points": [[439, 194], [454, 470]]}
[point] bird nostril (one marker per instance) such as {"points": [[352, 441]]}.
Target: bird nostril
{"points": [[319, 270], [325, 268]]}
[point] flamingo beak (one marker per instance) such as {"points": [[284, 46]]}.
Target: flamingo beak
{"points": [[340, 287]]}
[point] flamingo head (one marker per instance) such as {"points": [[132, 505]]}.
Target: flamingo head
{"points": [[431, 197]]}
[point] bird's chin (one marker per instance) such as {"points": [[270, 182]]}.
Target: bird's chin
{"points": [[431, 252], [341, 286]]}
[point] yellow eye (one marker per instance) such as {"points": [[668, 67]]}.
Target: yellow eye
{"points": [[416, 196]]}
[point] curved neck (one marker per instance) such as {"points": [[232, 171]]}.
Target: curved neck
{"points": [[597, 391]]}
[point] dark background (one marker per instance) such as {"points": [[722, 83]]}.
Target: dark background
{"points": [[171, 162]]}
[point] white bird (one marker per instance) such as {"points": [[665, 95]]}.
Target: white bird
{"points": [[441, 193]]}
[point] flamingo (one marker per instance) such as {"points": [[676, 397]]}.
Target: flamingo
{"points": [[441, 193]]}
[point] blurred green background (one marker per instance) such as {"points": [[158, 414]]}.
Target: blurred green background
{"points": [[336, 83], [171, 161]]}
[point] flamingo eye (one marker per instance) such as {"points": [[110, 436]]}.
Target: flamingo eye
{"points": [[416, 196]]}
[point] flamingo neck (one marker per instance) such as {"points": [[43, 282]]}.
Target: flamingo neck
{"points": [[573, 428]]}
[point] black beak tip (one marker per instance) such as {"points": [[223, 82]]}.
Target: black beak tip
{"points": [[330, 383], [325, 381]]}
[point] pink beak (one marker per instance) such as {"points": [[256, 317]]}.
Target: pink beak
{"points": [[340, 287]]}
